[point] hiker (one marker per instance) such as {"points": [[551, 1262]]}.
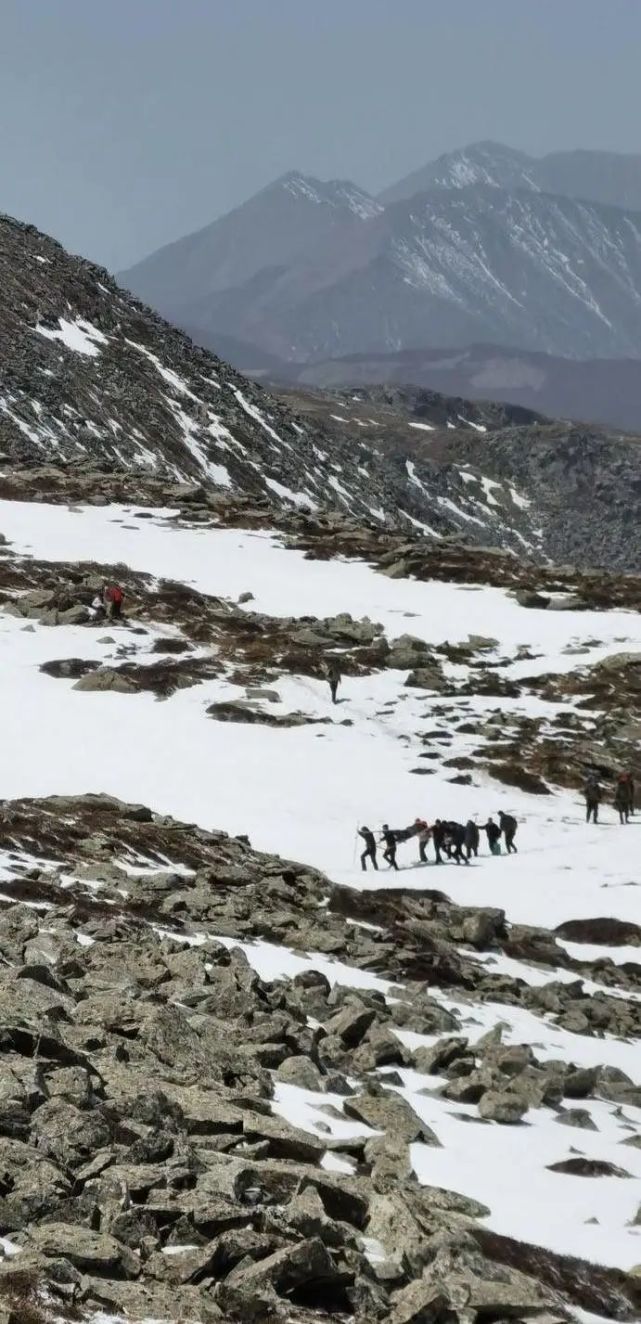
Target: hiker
{"points": [[622, 799], [370, 848], [624, 794], [389, 854], [472, 838], [423, 834], [439, 839], [455, 839], [113, 598], [333, 678], [592, 792], [508, 826], [493, 833]]}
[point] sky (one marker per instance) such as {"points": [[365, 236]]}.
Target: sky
{"points": [[127, 123]]}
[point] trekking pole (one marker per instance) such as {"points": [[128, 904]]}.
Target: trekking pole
{"points": [[355, 846]]}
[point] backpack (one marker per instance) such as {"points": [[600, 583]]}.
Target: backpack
{"points": [[115, 594]]}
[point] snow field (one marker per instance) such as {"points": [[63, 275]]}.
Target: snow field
{"points": [[301, 792]]}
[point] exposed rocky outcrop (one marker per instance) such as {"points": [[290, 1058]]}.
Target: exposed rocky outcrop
{"points": [[144, 1166]]}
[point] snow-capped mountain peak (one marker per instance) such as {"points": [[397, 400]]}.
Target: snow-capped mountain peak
{"points": [[338, 193], [481, 163]]}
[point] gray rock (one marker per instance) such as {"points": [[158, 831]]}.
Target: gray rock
{"points": [[503, 1107], [300, 1071], [106, 679], [422, 1302], [433, 1060], [76, 615], [427, 678], [579, 1117], [530, 598], [306, 1264], [351, 1024], [86, 1250], [390, 1113]]}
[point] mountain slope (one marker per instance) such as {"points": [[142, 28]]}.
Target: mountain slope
{"points": [[290, 216], [610, 178], [602, 391], [577, 490], [485, 244], [98, 388], [453, 267], [243, 1079], [480, 163], [88, 376]]}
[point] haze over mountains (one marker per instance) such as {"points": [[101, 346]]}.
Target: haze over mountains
{"points": [[484, 246], [94, 381]]}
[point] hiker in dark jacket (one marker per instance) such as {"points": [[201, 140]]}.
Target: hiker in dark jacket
{"points": [[508, 826], [624, 795], [370, 847], [439, 839], [389, 854], [622, 801], [333, 677], [592, 792], [493, 833], [455, 838], [472, 838]]}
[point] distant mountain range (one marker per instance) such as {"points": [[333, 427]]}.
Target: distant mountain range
{"points": [[483, 246], [97, 389], [607, 177]]}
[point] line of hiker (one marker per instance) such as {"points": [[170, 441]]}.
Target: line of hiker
{"points": [[457, 841], [623, 798]]}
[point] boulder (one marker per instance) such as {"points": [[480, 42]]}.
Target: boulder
{"points": [[354, 632], [391, 1163], [92, 1252], [300, 1071], [502, 1106], [427, 678], [76, 615], [283, 1141], [480, 643], [351, 1024], [306, 1264], [38, 597], [106, 679], [421, 1302], [528, 597], [579, 1117], [392, 1114], [439, 1056]]}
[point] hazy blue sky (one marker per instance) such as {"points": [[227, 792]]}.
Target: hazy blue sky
{"points": [[126, 123]]}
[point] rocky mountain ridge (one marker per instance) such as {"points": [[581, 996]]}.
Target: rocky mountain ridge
{"points": [[91, 379], [295, 212], [482, 253], [611, 178]]}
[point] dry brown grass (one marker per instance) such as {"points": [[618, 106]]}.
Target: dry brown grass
{"points": [[23, 1294]]}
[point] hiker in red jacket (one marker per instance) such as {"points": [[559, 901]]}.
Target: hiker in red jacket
{"points": [[113, 598]]}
